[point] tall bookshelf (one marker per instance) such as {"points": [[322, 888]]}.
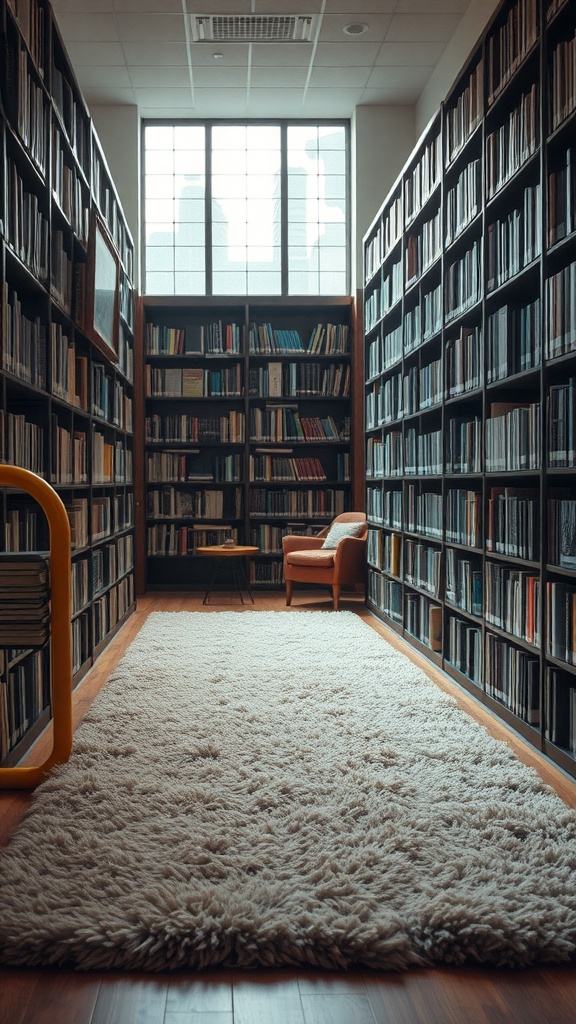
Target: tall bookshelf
{"points": [[66, 362], [247, 428], [470, 375]]}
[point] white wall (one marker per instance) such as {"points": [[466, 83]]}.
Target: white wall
{"points": [[463, 42], [118, 129], [382, 139]]}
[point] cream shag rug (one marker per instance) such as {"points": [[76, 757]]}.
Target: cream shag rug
{"points": [[276, 788]]}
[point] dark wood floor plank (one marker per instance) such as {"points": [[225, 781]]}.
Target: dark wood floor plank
{"points": [[198, 1017], [207, 992], [15, 995], [131, 999], [267, 997], [337, 1008], [52, 996], [314, 983]]}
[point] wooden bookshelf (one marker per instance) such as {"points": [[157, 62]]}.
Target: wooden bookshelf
{"points": [[247, 428], [66, 395], [470, 376]]}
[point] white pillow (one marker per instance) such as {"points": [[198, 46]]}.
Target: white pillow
{"points": [[340, 530]]}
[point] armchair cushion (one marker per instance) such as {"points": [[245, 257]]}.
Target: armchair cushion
{"points": [[314, 559], [340, 530]]}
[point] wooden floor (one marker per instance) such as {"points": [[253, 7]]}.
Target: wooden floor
{"points": [[455, 996]]}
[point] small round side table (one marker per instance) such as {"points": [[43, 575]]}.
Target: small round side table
{"points": [[232, 556]]}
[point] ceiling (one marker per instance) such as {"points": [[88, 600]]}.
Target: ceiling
{"points": [[142, 52]]}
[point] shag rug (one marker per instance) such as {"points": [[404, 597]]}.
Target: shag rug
{"points": [[276, 788]]}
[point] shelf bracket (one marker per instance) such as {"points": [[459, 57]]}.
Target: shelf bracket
{"points": [[61, 632]]}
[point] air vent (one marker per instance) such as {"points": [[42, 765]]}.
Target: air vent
{"points": [[251, 28]]}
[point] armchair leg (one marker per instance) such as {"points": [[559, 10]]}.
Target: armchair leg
{"points": [[289, 586], [336, 595]]}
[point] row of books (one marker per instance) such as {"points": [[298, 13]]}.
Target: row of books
{"points": [[423, 178], [423, 248], [69, 190], [562, 199], [423, 320], [266, 572], [24, 340], [200, 503], [513, 519], [293, 380], [386, 595], [268, 536], [385, 237], [514, 241], [563, 81], [513, 142], [24, 695], [422, 451], [169, 466], [464, 648], [422, 564], [287, 503], [512, 601], [22, 442], [24, 599], [193, 381], [26, 224], [423, 620], [175, 428], [465, 115], [561, 326], [560, 709], [463, 201], [32, 111], [30, 16], [280, 423], [464, 582], [61, 272], [265, 338], [280, 468], [464, 361], [111, 607], [170, 540], [509, 43], [215, 338], [462, 282], [511, 676], [514, 340]]}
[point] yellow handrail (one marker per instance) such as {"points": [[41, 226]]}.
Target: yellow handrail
{"points": [[61, 643]]}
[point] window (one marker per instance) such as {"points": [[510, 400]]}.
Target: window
{"points": [[236, 208]]}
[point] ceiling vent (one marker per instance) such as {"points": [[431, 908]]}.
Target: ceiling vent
{"points": [[251, 28]]}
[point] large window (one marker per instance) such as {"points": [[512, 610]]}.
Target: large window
{"points": [[246, 209]]}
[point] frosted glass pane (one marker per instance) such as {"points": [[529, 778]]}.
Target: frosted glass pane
{"points": [[229, 137], [333, 234], [263, 162], [160, 234], [190, 161], [331, 137], [263, 136], [160, 211], [190, 234], [297, 233], [228, 185], [160, 162], [263, 186], [160, 257], [159, 284], [264, 283], [230, 283], [191, 210], [189, 284], [222, 258], [223, 162], [333, 163], [332, 259], [189, 258], [158, 136], [300, 283], [189, 136], [335, 187], [159, 186], [332, 284]]}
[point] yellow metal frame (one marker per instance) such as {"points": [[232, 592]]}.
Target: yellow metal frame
{"points": [[61, 644]]}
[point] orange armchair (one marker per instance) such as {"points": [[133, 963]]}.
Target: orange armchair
{"points": [[306, 561]]}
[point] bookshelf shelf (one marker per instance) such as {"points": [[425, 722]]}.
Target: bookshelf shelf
{"points": [[65, 408], [287, 429], [470, 421]]}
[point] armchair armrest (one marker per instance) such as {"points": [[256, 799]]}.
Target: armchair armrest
{"points": [[294, 543], [350, 558]]}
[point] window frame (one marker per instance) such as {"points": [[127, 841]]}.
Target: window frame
{"points": [[284, 124]]}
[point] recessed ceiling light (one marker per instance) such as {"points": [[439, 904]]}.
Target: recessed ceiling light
{"points": [[356, 28], [217, 56]]}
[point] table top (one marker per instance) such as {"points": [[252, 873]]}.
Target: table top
{"points": [[221, 550]]}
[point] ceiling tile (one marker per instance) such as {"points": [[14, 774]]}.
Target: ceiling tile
{"points": [[346, 54], [153, 54], [332, 30], [220, 78], [104, 95], [164, 27], [78, 6], [410, 54], [365, 7], [233, 54], [339, 78], [87, 27], [147, 6], [397, 77], [112, 77], [415, 27], [105, 54], [390, 97], [331, 102], [279, 55], [432, 6], [283, 78], [158, 98], [164, 77]]}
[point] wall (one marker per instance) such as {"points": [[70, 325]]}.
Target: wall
{"points": [[118, 128], [382, 138]]}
